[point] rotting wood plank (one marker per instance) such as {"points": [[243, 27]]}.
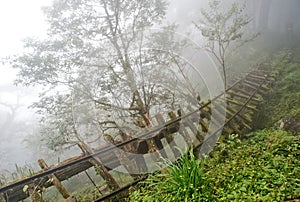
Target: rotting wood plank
{"points": [[254, 86], [205, 112], [252, 107], [108, 158], [192, 127], [241, 90], [242, 95], [245, 84], [220, 110], [252, 81], [239, 117], [62, 190], [204, 125], [261, 87], [161, 122], [242, 117], [219, 120], [99, 166], [173, 145], [233, 127], [258, 77]]}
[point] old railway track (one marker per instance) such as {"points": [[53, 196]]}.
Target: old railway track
{"points": [[198, 127]]}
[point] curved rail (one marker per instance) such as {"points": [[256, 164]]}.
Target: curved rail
{"points": [[265, 79], [253, 83]]}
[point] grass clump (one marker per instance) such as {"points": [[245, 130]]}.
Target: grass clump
{"points": [[183, 181]]}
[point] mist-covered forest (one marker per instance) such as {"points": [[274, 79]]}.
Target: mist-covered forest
{"points": [[88, 74]]}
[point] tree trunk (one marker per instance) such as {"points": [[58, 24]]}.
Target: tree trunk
{"points": [[122, 52], [224, 76]]}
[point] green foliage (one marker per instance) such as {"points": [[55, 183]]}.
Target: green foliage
{"points": [[263, 168], [225, 31], [89, 193], [184, 181], [266, 167], [284, 100], [101, 69]]}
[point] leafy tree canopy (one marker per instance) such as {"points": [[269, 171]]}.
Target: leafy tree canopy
{"points": [[102, 69], [225, 31]]}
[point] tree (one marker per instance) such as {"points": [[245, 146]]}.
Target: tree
{"points": [[102, 72], [225, 31], [95, 53]]}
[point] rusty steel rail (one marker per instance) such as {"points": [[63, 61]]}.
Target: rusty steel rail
{"points": [[125, 188], [39, 176]]}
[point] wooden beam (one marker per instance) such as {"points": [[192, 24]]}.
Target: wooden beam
{"points": [[62, 190]]}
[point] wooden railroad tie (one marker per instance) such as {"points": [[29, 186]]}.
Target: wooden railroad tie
{"points": [[191, 124]]}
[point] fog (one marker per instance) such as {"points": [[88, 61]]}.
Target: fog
{"points": [[18, 20], [278, 22]]}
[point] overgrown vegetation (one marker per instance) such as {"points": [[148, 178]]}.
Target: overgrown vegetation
{"points": [[184, 181], [284, 100], [262, 168], [265, 167], [20, 172]]}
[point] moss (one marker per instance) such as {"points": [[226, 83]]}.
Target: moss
{"points": [[284, 99]]}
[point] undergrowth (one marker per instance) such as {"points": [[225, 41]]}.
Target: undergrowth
{"points": [[265, 167], [284, 99], [184, 181]]}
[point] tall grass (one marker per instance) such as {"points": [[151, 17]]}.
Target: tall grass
{"points": [[182, 181]]}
